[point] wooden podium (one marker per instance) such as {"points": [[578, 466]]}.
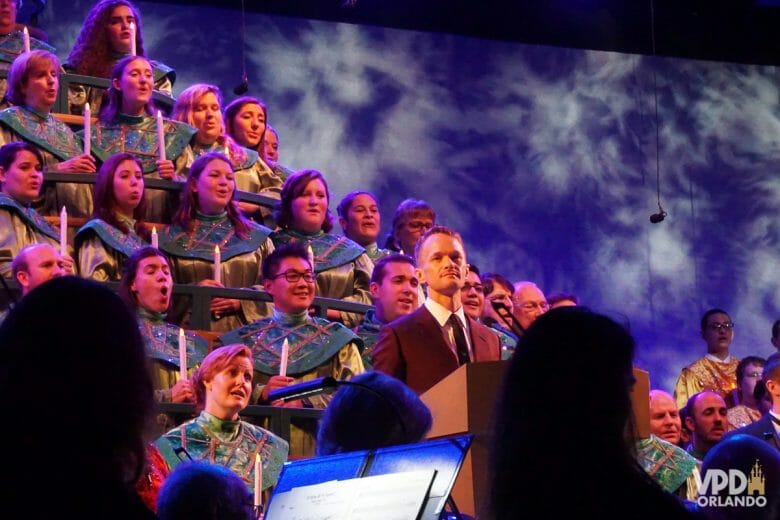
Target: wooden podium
{"points": [[464, 402]]}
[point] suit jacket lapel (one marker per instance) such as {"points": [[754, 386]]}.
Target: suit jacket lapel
{"points": [[431, 334]]}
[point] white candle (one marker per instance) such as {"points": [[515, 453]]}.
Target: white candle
{"points": [[26, 35], [311, 257], [87, 129], [217, 265], [160, 135], [155, 240], [258, 480], [63, 231], [132, 39], [182, 355], [283, 358]]}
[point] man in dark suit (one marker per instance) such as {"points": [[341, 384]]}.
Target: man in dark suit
{"points": [[425, 346], [768, 427]]}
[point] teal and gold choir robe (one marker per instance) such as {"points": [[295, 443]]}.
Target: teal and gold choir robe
{"points": [[57, 143], [316, 348], [21, 226], [102, 249], [11, 46], [342, 266], [233, 444], [137, 135], [162, 347], [192, 256], [368, 331]]}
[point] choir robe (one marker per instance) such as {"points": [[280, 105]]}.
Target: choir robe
{"points": [[137, 135], [316, 348], [102, 249], [192, 257], [21, 226], [57, 143]]}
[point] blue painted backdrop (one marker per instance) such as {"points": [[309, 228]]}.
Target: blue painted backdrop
{"points": [[543, 158]]}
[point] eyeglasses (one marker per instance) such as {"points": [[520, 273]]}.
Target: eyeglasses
{"points": [[416, 225], [293, 276], [718, 326], [531, 306], [477, 287]]}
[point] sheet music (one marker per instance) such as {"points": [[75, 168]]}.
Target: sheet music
{"points": [[394, 496]]}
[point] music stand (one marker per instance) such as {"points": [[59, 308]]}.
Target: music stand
{"points": [[445, 455]]}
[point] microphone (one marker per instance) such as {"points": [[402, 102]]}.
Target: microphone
{"points": [[513, 325], [324, 384], [301, 390], [655, 218], [242, 87]]}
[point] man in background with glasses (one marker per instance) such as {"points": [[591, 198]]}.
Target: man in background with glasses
{"points": [[528, 303], [316, 347], [717, 370]]}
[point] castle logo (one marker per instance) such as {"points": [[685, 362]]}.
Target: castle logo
{"points": [[732, 488]]}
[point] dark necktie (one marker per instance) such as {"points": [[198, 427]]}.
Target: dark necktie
{"points": [[461, 347]]}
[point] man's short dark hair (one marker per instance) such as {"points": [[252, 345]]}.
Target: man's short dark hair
{"points": [[378, 275], [709, 313], [489, 281], [292, 250], [561, 297]]}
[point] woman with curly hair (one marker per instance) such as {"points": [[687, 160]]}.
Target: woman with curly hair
{"points": [[104, 39], [116, 229], [127, 124], [200, 106]]}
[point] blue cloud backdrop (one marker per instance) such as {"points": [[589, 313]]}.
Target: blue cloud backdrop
{"points": [[543, 158]]}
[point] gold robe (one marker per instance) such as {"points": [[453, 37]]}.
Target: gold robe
{"points": [[706, 374], [102, 249]]}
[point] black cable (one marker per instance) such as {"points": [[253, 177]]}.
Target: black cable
{"points": [[243, 87], [658, 217]]}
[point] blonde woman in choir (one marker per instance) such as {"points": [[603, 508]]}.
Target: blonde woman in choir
{"points": [[342, 266], [116, 229], [208, 218], [106, 37], [200, 106], [33, 83], [128, 123]]}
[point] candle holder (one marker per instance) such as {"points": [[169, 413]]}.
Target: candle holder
{"points": [[257, 512]]}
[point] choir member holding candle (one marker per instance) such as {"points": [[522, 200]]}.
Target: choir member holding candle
{"points": [[208, 217], [111, 31], [12, 42], [223, 385], [146, 287], [316, 347], [116, 229], [128, 123], [342, 266], [33, 81], [200, 106], [20, 186]]}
